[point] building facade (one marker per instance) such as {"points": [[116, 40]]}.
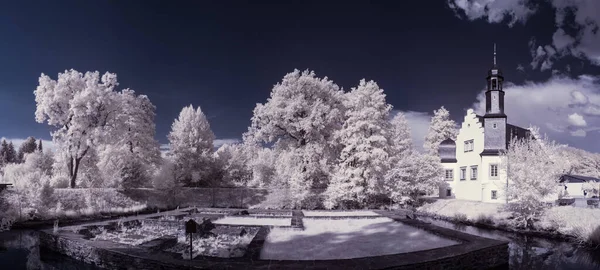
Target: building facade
{"points": [[472, 164]]}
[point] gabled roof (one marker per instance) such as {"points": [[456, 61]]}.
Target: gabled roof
{"points": [[571, 178]]}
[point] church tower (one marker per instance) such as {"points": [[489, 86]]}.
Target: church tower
{"points": [[494, 118]]}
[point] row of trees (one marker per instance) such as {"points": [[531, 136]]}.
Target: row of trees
{"points": [[9, 155], [309, 134]]}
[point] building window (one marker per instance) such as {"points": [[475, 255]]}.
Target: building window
{"points": [[494, 195], [469, 146], [449, 175], [495, 125], [494, 170], [463, 173], [494, 84], [448, 193], [473, 172]]}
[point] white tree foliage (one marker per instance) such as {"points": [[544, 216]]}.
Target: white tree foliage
{"points": [[367, 146], [413, 175], [191, 146], [401, 139], [440, 128], [232, 160], [135, 141], [301, 116], [85, 110], [534, 170]]}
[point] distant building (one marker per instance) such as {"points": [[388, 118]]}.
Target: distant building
{"points": [[472, 163], [575, 185]]}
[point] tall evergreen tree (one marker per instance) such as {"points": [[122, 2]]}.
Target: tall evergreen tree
{"points": [[441, 128], [11, 154], [367, 146], [191, 142], [40, 149], [3, 149], [27, 147]]}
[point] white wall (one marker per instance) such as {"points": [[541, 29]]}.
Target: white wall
{"points": [[470, 129]]}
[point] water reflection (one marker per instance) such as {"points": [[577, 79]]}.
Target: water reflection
{"points": [[528, 252], [20, 250]]}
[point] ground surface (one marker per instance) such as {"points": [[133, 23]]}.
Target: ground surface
{"points": [[324, 239]]}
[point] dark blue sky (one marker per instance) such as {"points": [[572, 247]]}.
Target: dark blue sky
{"points": [[225, 56]]}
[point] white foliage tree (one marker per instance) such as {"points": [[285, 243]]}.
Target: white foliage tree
{"points": [[413, 175], [367, 146], [440, 128], [84, 108], [232, 160], [401, 138], [534, 172], [135, 143], [191, 146], [301, 116]]}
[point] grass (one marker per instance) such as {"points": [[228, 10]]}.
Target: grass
{"points": [[254, 221], [325, 239], [581, 223], [338, 213]]}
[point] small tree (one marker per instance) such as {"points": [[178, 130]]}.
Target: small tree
{"points": [[27, 147], [535, 168]]}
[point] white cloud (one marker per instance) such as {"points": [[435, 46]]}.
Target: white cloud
{"points": [[495, 11], [578, 133], [566, 109], [46, 144], [419, 124], [577, 120], [583, 43]]}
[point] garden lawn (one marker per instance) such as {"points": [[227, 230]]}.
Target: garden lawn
{"points": [[581, 223], [325, 239], [254, 221], [338, 213]]}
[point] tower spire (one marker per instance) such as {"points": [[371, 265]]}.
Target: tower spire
{"points": [[494, 54]]}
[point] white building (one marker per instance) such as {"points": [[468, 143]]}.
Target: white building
{"points": [[472, 164]]}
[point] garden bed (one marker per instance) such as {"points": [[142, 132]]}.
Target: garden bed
{"points": [[228, 242]]}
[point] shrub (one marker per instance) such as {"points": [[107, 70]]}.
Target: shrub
{"points": [[133, 175], [312, 202], [485, 219], [460, 217]]}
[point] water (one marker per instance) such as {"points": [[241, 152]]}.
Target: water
{"points": [[19, 249], [528, 252]]}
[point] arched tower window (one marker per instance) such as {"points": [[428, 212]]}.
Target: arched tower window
{"points": [[494, 84]]}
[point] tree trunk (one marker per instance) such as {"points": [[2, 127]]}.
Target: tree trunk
{"points": [[73, 171]]}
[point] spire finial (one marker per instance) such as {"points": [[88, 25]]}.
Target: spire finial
{"points": [[494, 54]]}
